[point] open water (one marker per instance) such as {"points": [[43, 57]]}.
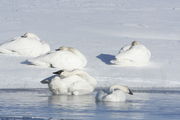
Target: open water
{"points": [[39, 104]]}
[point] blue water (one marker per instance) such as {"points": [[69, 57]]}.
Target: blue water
{"points": [[39, 104]]}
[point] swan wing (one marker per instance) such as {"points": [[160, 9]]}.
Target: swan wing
{"points": [[80, 87], [116, 96], [26, 47], [59, 59]]}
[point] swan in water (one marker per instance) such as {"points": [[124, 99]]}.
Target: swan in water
{"points": [[64, 57], [27, 45], [116, 93], [75, 82], [135, 54]]}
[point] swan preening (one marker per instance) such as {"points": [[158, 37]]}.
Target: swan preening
{"points": [[75, 82], [116, 93], [28, 45], [64, 57], [78, 82], [135, 54]]}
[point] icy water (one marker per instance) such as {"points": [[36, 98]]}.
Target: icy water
{"points": [[39, 104]]}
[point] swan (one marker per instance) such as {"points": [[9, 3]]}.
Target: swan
{"points": [[64, 58], [28, 45], [135, 54], [75, 82], [116, 93]]}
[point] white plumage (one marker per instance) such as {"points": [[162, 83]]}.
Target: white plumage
{"points": [[64, 58], [116, 93], [27, 45], [76, 82], [135, 54]]}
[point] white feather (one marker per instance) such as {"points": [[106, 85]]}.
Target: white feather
{"points": [[133, 55], [28, 45], [78, 83], [115, 93], [63, 59]]}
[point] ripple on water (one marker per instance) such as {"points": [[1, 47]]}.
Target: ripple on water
{"points": [[39, 104]]}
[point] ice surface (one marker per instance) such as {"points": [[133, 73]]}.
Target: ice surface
{"points": [[98, 29]]}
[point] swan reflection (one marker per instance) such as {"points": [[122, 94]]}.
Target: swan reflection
{"points": [[79, 102]]}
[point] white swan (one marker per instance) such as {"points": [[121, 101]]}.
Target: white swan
{"points": [[135, 54], [75, 82], [64, 58], [27, 45], [116, 93]]}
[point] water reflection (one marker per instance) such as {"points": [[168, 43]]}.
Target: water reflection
{"points": [[115, 105], [40, 104], [69, 101], [73, 105]]}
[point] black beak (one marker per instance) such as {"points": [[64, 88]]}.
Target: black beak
{"points": [[130, 92], [57, 49], [58, 72], [45, 81], [23, 36]]}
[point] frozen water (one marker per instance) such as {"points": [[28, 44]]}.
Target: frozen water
{"points": [[29, 104]]}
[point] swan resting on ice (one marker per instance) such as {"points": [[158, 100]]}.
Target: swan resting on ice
{"points": [[27, 45], [64, 58], [135, 54], [116, 93], [75, 82]]}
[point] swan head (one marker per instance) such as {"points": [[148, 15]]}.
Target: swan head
{"points": [[122, 88], [72, 72], [135, 43], [70, 49], [63, 48], [67, 73], [30, 35], [58, 72], [64, 73]]}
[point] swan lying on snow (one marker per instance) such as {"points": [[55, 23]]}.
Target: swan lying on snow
{"points": [[64, 58], [116, 93], [27, 45], [135, 54], [75, 82]]}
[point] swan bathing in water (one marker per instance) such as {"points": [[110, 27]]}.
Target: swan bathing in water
{"points": [[116, 93], [64, 58], [27, 45], [75, 82], [135, 54]]}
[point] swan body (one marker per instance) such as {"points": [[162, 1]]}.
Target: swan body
{"points": [[27, 45], [135, 54], [116, 93], [64, 58], [76, 82]]}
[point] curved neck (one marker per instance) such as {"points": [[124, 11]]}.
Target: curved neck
{"points": [[86, 76]]}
